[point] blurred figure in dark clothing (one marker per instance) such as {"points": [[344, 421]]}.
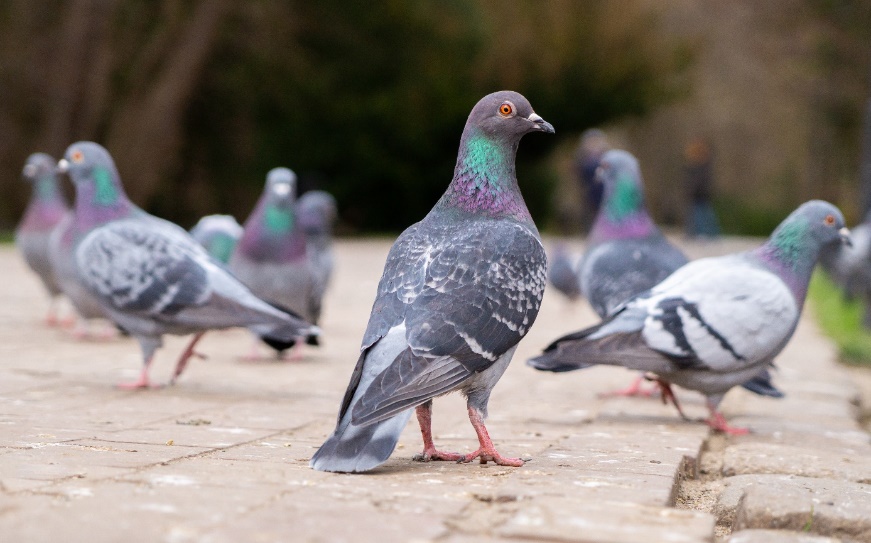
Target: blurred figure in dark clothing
{"points": [[701, 219], [592, 146]]}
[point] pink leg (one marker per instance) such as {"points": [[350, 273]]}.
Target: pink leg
{"points": [[634, 389], [424, 418], [51, 318], [253, 352], [718, 422], [668, 395], [185, 356], [487, 451], [296, 350], [140, 383]]}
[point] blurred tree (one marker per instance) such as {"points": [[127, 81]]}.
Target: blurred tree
{"points": [[198, 99]]}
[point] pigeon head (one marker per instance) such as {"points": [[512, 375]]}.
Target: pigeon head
{"points": [[281, 184], [317, 211], [795, 244], [620, 175], [622, 214], [93, 172], [484, 177], [40, 170], [507, 116], [218, 234], [279, 197]]}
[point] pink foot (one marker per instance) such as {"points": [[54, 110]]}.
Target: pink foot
{"points": [[52, 320], [718, 422], [490, 454], [139, 384], [634, 389], [68, 322], [432, 454]]}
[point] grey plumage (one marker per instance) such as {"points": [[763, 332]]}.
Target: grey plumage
{"points": [[317, 212], [850, 267], [626, 254], [148, 274], [562, 273], [218, 234], [716, 322], [459, 290]]}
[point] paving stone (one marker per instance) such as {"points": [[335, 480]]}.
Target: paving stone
{"points": [[566, 519], [820, 506], [777, 536], [824, 461]]}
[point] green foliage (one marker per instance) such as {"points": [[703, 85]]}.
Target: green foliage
{"points": [[743, 217], [840, 319], [368, 100]]}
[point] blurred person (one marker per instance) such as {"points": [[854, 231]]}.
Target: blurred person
{"points": [[698, 182], [591, 147]]}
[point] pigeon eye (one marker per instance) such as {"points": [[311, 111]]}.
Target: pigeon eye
{"points": [[829, 220], [77, 156], [506, 109]]}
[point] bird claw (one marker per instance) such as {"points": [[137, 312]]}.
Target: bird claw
{"points": [[430, 455], [484, 456]]}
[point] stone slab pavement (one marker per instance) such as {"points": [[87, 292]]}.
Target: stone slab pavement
{"points": [[223, 454]]}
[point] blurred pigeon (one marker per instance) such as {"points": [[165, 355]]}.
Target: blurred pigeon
{"points": [[850, 267], [218, 234], [271, 258], [317, 213], [459, 291], [562, 273], [150, 276], [626, 253], [47, 207], [714, 323]]}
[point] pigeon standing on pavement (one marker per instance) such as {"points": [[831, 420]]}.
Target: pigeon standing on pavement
{"points": [[562, 273], [271, 257], [318, 212], [149, 275], [218, 234], [850, 267], [46, 209], [716, 322], [460, 289]]}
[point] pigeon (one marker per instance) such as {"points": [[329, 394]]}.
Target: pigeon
{"points": [[626, 253], [46, 209], [218, 234], [460, 289], [150, 276], [714, 323], [271, 257], [562, 273], [317, 212], [850, 267]]}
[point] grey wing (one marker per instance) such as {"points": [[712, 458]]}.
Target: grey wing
{"points": [[134, 268], [615, 271], [465, 300]]}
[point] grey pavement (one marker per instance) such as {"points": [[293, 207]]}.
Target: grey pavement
{"points": [[223, 454]]}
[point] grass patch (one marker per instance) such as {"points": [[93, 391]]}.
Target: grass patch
{"points": [[840, 319]]}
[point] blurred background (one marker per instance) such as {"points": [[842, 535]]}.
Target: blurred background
{"points": [[197, 99]]}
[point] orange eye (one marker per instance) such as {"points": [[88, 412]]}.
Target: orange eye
{"points": [[829, 220], [505, 109], [77, 156]]}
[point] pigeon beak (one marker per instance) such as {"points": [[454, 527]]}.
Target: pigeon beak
{"points": [[63, 166], [541, 124], [281, 189], [845, 236]]}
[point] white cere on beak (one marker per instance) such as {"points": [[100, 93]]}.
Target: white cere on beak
{"points": [[535, 117], [281, 189], [63, 165]]}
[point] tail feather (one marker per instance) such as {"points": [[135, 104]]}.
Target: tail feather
{"points": [[762, 385], [353, 449]]}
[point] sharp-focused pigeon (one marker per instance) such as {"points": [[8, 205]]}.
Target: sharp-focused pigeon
{"points": [[218, 234], [459, 291], [46, 209], [716, 322], [317, 213], [270, 258], [850, 267], [149, 275], [562, 273]]}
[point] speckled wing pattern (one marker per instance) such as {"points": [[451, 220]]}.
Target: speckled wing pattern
{"points": [[142, 268], [466, 292]]}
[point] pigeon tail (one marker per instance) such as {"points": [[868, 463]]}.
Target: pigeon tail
{"points": [[354, 449], [762, 385], [555, 361]]}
